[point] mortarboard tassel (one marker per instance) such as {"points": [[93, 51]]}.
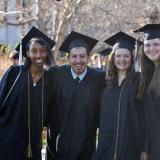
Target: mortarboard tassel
{"points": [[99, 61], [137, 46], [29, 154], [136, 59], [20, 54]]}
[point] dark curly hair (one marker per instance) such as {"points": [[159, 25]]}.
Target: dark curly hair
{"points": [[49, 59]]}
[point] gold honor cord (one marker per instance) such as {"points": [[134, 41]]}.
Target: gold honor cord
{"points": [[42, 111], [118, 122], [29, 148]]}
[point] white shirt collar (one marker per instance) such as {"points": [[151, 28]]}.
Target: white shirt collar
{"points": [[81, 76]]}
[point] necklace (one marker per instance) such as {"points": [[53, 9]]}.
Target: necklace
{"points": [[29, 148]]}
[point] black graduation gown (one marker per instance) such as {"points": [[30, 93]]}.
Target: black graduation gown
{"points": [[131, 124], [14, 115], [78, 105], [152, 117]]}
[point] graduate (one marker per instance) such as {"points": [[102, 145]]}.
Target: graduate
{"points": [[13, 56], [24, 99], [105, 54], [100, 59], [150, 88], [121, 120], [77, 90]]}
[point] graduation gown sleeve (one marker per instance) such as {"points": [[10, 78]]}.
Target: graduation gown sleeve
{"points": [[7, 81]]}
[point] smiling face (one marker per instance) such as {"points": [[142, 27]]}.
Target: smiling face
{"points": [[122, 59], [78, 59], [152, 49], [37, 53]]}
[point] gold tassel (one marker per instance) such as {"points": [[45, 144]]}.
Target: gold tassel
{"points": [[29, 154], [41, 140]]}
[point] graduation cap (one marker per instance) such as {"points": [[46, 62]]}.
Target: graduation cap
{"points": [[151, 31], [34, 33], [121, 40], [105, 52], [75, 39]]}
